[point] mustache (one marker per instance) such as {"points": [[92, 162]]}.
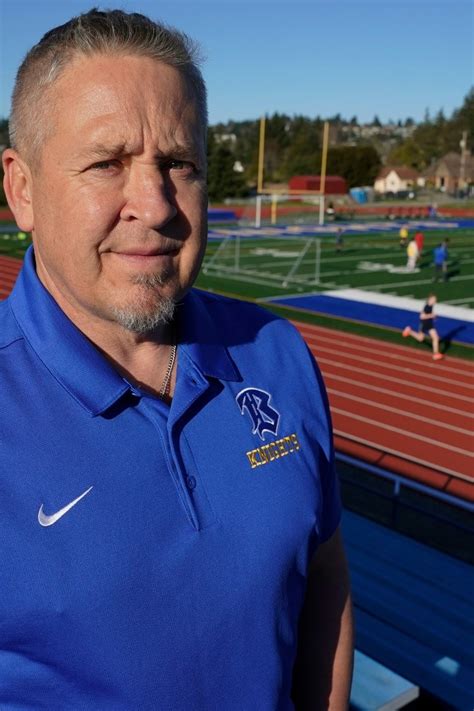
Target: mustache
{"points": [[147, 246], [151, 280]]}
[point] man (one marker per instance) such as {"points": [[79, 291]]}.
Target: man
{"points": [[440, 258], [412, 255], [169, 511], [420, 240], [403, 234], [427, 327]]}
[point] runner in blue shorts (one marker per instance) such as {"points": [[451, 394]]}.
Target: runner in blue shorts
{"points": [[427, 327]]}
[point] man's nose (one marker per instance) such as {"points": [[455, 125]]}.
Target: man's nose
{"points": [[149, 197]]}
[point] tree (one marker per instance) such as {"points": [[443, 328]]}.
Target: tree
{"points": [[359, 165], [302, 155], [223, 181], [3, 199], [4, 138], [433, 138], [408, 153]]}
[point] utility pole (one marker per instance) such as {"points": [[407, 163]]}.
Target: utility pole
{"points": [[462, 168]]}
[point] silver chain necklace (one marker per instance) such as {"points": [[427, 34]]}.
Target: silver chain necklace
{"points": [[164, 390]]}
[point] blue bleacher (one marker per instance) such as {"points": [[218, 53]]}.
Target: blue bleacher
{"points": [[376, 688], [414, 610]]}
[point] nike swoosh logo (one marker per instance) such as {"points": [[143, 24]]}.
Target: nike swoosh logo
{"points": [[45, 520]]}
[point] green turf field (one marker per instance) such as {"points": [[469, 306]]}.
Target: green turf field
{"points": [[367, 261], [265, 263]]}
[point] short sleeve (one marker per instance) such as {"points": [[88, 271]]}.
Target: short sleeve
{"points": [[331, 507]]}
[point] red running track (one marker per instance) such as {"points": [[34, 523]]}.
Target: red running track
{"points": [[392, 406]]}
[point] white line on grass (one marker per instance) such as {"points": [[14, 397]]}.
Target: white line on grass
{"points": [[374, 287]]}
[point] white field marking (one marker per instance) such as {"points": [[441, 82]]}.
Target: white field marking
{"points": [[245, 278], [403, 455], [288, 296], [401, 396], [398, 381], [413, 435], [466, 300], [414, 358], [407, 302], [351, 257], [408, 370], [401, 302], [257, 278], [415, 283], [277, 253], [404, 413]]}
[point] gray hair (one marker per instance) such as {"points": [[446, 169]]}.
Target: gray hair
{"points": [[94, 32]]}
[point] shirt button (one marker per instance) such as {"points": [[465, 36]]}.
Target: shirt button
{"points": [[190, 482]]}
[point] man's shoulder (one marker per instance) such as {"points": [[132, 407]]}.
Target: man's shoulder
{"points": [[231, 314], [9, 331]]}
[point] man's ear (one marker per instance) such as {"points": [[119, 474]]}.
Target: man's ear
{"points": [[17, 185]]}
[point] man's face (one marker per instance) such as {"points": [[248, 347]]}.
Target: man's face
{"points": [[119, 195]]}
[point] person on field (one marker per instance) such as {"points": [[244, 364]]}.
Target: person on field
{"points": [[440, 259], [170, 513], [403, 235], [420, 240], [412, 255], [339, 240], [427, 327]]}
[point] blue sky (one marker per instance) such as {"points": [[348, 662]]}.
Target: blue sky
{"points": [[393, 58]]}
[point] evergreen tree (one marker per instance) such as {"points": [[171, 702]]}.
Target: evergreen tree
{"points": [[222, 180]]}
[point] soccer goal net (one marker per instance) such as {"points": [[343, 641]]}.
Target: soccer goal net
{"points": [[291, 263]]}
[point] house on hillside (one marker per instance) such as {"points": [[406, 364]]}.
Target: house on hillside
{"points": [[451, 173], [395, 179]]}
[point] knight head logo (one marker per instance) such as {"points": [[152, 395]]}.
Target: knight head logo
{"points": [[257, 404]]}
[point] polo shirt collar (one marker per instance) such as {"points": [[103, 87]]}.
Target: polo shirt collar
{"points": [[68, 355], [201, 339], [80, 367]]}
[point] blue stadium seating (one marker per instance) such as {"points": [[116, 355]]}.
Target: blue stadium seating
{"points": [[414, 609], [376, 688]]}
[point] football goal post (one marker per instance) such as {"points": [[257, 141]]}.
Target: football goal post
{"points": [[317, 195]]}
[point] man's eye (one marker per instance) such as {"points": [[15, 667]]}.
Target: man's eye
{"points": [[103, 165], [179, 165]]}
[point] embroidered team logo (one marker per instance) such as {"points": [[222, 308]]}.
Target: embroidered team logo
{"points": [[257, 404]]}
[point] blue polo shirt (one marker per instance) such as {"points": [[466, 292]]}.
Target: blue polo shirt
{"points": [[154, 557]]}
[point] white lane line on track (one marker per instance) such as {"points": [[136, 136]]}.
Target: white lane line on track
{"points": [[402, 455], [408, 435], [398, 381], [414, 356], [421, 367], [344, 335], [409, 372], [395, 394], [403, 413]]}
